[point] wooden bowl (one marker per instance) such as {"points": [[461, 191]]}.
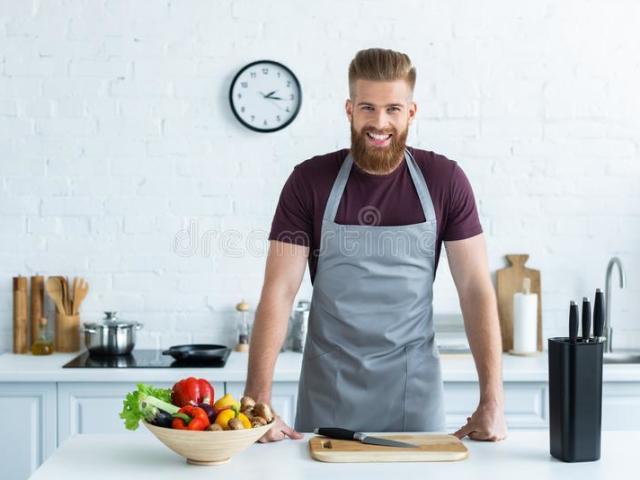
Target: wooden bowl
{"points": [[205, 447]]}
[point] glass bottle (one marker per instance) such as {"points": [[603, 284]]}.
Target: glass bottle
{"points": [[243, 327], [43, 344]]}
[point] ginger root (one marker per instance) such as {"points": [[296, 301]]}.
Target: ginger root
{"points": [[235, 424], [257, 422], [263, 410], [246, 403]]}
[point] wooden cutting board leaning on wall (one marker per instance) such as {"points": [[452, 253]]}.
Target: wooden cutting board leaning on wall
{"points": [[509, 281], [431, 448]]}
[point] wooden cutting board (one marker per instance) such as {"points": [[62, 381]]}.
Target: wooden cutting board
{"points": [[431, 448], [509, 281]]}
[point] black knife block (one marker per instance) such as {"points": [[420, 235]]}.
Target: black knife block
{"points": [[575, 399]]}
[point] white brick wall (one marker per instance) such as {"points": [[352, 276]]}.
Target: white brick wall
{"points": [[116, 135]]}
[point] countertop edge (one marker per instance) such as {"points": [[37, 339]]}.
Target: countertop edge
{"points": [[455, 368]]}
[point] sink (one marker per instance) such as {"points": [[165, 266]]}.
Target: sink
{"points": [[622, 356]]}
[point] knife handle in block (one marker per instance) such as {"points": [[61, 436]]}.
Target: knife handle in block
{"points": [[335, 432], [586, 319], [598, 315], [573, 322]]}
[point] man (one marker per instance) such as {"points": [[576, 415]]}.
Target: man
{"points": [[370, 221]]}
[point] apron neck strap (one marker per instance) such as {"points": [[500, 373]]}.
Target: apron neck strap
{"points": [[338, 188], [421, 186]]}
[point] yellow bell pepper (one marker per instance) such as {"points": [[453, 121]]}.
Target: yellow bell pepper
{"points": [[224, 416], [245, 420], [227, 414]]}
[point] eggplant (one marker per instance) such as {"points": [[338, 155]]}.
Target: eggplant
{"points": [[161, 419], [209, 409]]}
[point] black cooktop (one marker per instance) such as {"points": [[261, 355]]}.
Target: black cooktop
{"points": [[142, 359]]}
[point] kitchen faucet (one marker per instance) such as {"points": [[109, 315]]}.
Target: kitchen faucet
{"points": [[607, 299]]}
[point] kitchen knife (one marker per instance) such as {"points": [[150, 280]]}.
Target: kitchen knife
{"points": [[586, 319], [598, 315], [573, 322], [344, 434]]}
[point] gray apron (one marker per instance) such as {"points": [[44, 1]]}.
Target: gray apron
{"points": [[370, 360]]}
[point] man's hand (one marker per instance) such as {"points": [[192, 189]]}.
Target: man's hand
{"points": [[279, 431], [487, 423]]}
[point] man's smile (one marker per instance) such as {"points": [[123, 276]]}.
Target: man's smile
{"points": [[378, 139]]}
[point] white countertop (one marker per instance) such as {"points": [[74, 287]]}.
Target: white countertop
{"points": [[30, 368], [455, 368], [524, 454]]}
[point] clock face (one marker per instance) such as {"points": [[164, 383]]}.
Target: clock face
{"points": [[265, 96]]}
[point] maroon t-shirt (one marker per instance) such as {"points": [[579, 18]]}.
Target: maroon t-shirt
{"points": [[370, 199]]}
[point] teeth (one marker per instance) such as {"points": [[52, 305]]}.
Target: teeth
{"points": [[378, 136]]}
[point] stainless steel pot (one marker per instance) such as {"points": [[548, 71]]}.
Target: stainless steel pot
{"points": [[111, 337], [300, 325]]}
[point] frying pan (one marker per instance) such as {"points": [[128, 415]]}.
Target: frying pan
{"points": [[199, 352]]}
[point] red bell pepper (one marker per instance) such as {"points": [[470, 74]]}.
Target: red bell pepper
{"points": [[192, 391], [190, 418]]}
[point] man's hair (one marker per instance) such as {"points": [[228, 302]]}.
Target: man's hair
{"points": [[379, 64]]}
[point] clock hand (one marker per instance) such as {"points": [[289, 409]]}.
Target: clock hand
{"points": [[275, 98]]}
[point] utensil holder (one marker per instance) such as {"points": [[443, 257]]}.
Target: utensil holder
{"points": [[575, 399], [67, 337]]}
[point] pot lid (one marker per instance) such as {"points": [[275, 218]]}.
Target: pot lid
{"points": [[111, 320]]}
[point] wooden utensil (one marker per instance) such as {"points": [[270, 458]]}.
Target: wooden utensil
{"points": [[431, 448], [37, 305], [80, 290], [55, 291], [74, 289], [20, 319], [65, 294], [509, 281]]}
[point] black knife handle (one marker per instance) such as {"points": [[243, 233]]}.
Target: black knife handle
{"points": [[598, 314], [573, 322], [586, 319], [335, 432]]}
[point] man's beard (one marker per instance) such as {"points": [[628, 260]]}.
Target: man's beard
{"points": [[378, 160]]}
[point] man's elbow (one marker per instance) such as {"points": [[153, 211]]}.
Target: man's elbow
{"points": [[280, 292], [479, 291]]}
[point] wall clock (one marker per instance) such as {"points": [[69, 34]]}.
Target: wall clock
{"points": [[265, 96]]}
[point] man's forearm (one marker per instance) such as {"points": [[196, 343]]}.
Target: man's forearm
{"points": [[267, 337], [483, 331]]}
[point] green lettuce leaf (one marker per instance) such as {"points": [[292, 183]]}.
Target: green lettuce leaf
{"points": [[135, 406]]}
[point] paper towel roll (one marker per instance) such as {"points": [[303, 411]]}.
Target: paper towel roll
{"points": [[525, 322]]}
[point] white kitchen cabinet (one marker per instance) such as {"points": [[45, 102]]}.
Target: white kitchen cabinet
{"points": [[525, 404], [284, 396], [93, 407], [28, 427], [621, 406]]}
